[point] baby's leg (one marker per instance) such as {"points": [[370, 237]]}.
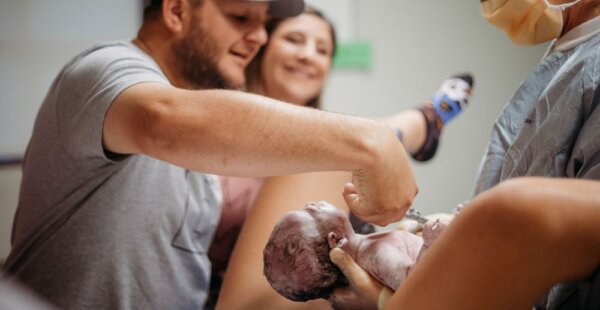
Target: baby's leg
{"points": [[419, 129]]}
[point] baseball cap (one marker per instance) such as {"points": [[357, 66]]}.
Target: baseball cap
{"points": [[283, 8], [277, 8]]}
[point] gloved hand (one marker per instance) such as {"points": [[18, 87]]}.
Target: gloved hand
{"points": [[363, 291]]}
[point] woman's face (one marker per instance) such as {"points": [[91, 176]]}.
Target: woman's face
{"points": [[297, 59]]}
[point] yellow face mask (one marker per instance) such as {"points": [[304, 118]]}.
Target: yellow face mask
{"points": [[527, 22]]}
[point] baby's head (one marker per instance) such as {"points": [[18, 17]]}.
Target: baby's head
{"points": [[296, 257]]}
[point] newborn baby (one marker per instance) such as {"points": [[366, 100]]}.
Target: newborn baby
{"points": [[296, 258]]}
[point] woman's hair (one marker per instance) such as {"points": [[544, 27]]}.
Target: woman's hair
{"points": [[254, 82], [298, 266]]}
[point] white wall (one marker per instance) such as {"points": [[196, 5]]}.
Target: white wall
{"points": [[416, 45], [36, 38]]}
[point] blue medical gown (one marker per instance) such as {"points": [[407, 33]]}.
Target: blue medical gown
{"points": [[550, 127]]}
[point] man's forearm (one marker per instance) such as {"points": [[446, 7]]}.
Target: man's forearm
{"points": [[232, 133]]}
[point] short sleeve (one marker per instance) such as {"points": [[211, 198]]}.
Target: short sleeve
{"points": [[87, 87]]}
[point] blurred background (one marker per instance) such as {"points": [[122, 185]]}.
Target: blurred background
{"points": [[400, 51]]}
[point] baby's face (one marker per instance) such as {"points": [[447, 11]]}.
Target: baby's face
{"points": [[316, 219], [325, 215]]}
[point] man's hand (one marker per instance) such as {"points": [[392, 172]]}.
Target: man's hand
{"points": [[363, 291], [383, 192]]}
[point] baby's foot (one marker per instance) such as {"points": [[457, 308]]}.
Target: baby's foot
{"points": [[453, 96], [447, 103]]}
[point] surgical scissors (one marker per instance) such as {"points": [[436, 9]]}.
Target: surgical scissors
{"points": [[415, 215]]}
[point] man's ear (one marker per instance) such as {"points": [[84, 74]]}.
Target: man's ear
{"points": [[173, 14]]}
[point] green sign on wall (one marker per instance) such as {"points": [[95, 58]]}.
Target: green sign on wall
{"points": [[353, 55]]}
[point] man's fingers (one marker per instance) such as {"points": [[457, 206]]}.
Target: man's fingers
{"points": [[353, 200], [351, 196], [356, 275], [371, 212]]}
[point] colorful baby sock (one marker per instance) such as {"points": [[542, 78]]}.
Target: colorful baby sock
{"points": [[447, 103]]}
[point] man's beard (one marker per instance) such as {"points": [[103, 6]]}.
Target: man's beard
{"points": [[196, 57]]}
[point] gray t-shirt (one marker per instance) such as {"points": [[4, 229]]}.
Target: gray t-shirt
{"points": [[108, 232], [551, 128]]}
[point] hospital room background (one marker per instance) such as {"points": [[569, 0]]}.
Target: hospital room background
{"points": [[396, 54]]}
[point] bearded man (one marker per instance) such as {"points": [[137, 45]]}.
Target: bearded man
{"points": [[117, 208]]}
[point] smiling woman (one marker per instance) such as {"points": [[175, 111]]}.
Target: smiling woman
{"points": [[300, 55], [291, 67], [296, 61]]}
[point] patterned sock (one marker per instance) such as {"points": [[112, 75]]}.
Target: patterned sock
{"points": [[447, 103], [453, 96]]}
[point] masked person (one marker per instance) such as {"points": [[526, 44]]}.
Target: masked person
{"points": [[548, 129], [117, 208]]}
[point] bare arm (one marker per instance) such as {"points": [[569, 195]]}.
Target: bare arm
{"points": [[509, 247], [229, 132], [413, 126], [234, 133], [245, 286]]}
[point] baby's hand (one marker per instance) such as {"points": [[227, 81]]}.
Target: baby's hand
{"points": [[431, 231]]}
